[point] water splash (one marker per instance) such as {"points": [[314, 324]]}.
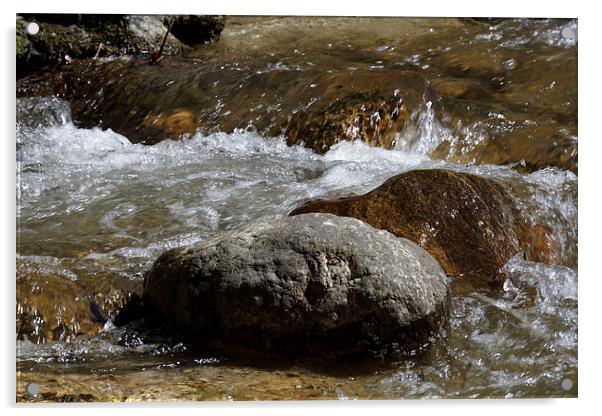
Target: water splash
{"points": [[90, 203]]}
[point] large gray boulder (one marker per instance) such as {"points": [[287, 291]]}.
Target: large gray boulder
{"points": [[313, 284]]}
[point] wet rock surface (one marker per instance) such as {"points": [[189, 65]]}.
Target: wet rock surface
{"points": [[497, 108], [56, 308], [313, 284], [468, 223], [504, 134], [92, 205], [64, 37], [317, 110], [488, 102], [366, 106]]}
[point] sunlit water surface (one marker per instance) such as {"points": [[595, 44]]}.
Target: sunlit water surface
{"points": [[92, 204]]}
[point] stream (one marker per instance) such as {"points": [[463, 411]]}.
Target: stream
{"points": [[95, 209]]}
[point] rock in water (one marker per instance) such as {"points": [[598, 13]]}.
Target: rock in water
{"points": [[51, 307], [361, 105], [147, 33], [314, 284], [468, 223]]}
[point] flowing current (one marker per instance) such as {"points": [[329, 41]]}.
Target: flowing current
{"points": [[96, 210], [92, 204]]}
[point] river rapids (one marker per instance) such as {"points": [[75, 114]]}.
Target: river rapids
{"points": [[94, 207]]}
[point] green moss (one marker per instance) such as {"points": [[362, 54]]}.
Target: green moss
{"points": [[21, 45], [21, 38], [63, 37]]}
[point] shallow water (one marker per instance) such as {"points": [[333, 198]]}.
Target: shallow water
{"points": [[93, 206]]}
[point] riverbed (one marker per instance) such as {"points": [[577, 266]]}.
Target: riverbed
{"points": [[96, 209]]}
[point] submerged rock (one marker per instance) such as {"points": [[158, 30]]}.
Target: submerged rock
{"points": [[500, 109], [456, 101], [176, 124], [481, 133], [363, 105], [313, 284], [317, 109], [51, 307], [373, 118], [468, 223], [527, 147]]}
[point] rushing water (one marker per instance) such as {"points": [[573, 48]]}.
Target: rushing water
{"points": [[93, 206]]}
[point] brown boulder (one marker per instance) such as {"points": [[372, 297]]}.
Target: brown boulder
{"points": [[468, 223], [361, 105], [372, 117], [529, 147], [314, 108], [176, 124]]}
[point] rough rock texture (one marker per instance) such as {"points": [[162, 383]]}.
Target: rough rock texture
{"points": [[63, 37], [373, 108], [311, 284], [147, 33], [371, 117], [468, 223]]}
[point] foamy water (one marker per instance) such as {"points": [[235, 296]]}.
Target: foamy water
{"points": [[90, 202], [94, 208]]}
